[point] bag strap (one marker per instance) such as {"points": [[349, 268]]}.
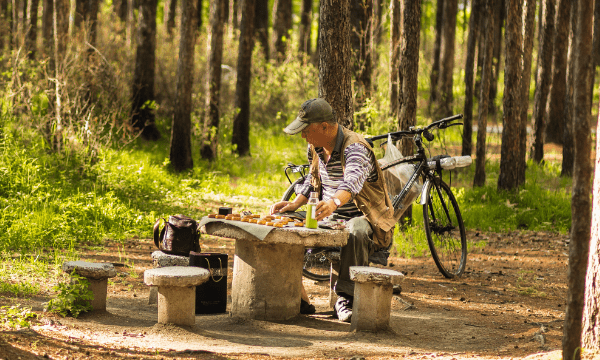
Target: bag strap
{"points": [[156, 229]]}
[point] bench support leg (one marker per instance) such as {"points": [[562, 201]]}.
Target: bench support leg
{"points": [[372, 306], [99, 288], [177, 305], [267, 280]]}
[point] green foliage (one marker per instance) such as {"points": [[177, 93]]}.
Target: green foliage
{"points": [[73, 297], [16, 317]]}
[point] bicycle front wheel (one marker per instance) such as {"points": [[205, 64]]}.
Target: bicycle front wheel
{"points": [[445, 229]]}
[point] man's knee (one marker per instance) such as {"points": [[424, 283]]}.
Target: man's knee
{"points": [[360, 229]]}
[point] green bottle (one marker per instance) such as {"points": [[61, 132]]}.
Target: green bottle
{"points": [[311, 218]]}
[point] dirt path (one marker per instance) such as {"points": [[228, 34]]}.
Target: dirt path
{"points": [[509, 304]]}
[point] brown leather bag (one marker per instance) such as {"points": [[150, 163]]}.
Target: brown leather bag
{"points": [[179, 236]]}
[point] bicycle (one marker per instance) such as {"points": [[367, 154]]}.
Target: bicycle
{"points": [[442, 220]]}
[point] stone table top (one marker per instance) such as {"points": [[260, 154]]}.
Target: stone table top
{"points": [[90, 270], [161, 259], [362, 274], [289, 235], [180, 276]]}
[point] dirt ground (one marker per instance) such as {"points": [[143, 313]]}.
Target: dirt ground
{"points": [[510, 303]]}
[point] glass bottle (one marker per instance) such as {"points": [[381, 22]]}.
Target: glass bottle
{"points": [[311, 218]]}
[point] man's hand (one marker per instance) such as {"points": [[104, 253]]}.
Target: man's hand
{"points": [[324, 209], [283, 206]]}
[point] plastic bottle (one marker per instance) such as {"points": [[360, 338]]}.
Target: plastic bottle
{"points": [[448, 163], [462, 161], [311, 218]]}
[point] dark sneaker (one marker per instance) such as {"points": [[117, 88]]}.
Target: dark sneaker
{"points": [[306, 308], [343, 309]]}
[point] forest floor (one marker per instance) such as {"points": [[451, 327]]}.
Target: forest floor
{"points": [[510, 303]]}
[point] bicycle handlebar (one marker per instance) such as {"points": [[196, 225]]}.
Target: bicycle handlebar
{"points": [[441, 124]]}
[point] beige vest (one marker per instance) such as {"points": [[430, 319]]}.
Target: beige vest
{"points": [[372, 200]]}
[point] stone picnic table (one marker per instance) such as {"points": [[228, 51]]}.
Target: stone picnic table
{"points": [[267, 273]]}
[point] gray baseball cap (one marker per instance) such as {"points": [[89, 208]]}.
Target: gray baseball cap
{"points": [[312, 111]]}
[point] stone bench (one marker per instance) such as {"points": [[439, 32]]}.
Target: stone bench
{"points": [[161, 259], [97, 274], [372, 297], [176, 292]]}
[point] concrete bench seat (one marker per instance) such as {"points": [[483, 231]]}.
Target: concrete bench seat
{"points": [[372, 297], [161, 259], [176, 292], [97, 274]]}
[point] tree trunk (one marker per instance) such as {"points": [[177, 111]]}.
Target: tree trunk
{"points": [[282, 24], [335, 72], [61, 27], [508, 178], [376, 31], [543, 80], [528, 35], [361, 13], [486, 75], [142, 92], [447, 57], [32, 29], [480, 57], [3, 23], [261, 25], [395, 15], [120, 8], [591, 310], [304, 40], [469, 69], [596, 43], [437, 46], [93, 20], [555, 127], [409, 68], [47, 25], [582, 176], [241, 122], [130, 26], [79, 13], [500, 14], [235, 4], [181, 145], [199, 8], [568, 153], [217, 21], [169, 15]]}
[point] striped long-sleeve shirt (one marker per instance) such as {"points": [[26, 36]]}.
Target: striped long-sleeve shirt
{"points": [[359, 168]]}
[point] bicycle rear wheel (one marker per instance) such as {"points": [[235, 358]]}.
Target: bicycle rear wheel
{"points": [[445, 229], [316, 266]]}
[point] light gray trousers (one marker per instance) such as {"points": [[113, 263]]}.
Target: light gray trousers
{"points": [[355, 253]]}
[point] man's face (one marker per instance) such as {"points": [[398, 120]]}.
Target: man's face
{"points": [[313, 134]]}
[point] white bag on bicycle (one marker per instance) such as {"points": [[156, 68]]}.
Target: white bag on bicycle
{"points": [[397, 176]]}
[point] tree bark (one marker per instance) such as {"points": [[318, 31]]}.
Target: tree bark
{"points": [[591, 310], [142, 92], [181, 145], [582, 176], [32, 29], [508, 178], [361, 13], [437, 47], [61, 27], [596, 43], [199, 8], [47, 28], [3, 23], [170, 12], [555, 127], [282, 24], [217, 21], [568, 153], [261, 25], [447, 57], [335, 72], [528, 35], [241, 122], [395, 15], [79, 13], [486, 75], [120, 8], [543, 80], [500, 13], [376, 31], [469, 70], [304, 40]]}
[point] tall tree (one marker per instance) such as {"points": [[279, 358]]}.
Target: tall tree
{"points": [[120, 9], [261, 25], [500, 13], [61, 27], [437, 48], [582, 176], [395, 14], [568, 153], [32, 31], [555, 128], [304, 40], [335, 72], [469, 69], [361, 13], [543, 79], [513, 70], [170, 12], [86, 12], [142, 91], [282, 24], [447, 57], [47, 25], [199, 8], [528, 35], [241, 122], [596, 43], [486, 76], [211, 124], [3, 22], [181, 129]]}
